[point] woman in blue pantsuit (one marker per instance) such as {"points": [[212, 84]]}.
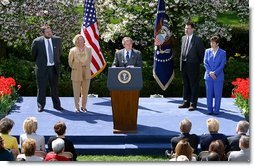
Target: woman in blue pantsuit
{"points": [[214, 62]]}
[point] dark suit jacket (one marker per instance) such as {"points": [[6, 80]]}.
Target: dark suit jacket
{"points": [[40, 56], [234, 142], [206, 139], [68, 146], [193, 139], [195, 52], [135, 58]]}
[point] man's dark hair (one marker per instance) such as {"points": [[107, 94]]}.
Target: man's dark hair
{"points": [[190, 24], [44, 27]]}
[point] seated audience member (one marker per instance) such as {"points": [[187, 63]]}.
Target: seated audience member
{"points": [[241, 129], [184, 148], [29, 147], [10, 142], [60, 130], [58, 148], [180, 158], [30, 126], [5, 155], [185, 128], [212, 156], [244, 153], [218, 147], [213, 128]]}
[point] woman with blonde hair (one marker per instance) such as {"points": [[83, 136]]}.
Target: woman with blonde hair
{"points": [[213, 128], [30, 126], [79, 60], [29, 147]]}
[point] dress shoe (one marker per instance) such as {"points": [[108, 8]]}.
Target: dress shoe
{"points": [[210, 113], [184, 105], [59, 108], [40, 109], [192, 108], [83, 109]]}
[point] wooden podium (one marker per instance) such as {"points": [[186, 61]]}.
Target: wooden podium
{"points": [[124, 85]]}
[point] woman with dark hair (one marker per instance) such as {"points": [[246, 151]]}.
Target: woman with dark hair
{"points": [[60, 130], [5, 155], [218, 147], [183, 147], [214, 62], [10, 142]]}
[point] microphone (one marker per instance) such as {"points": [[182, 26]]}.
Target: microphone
{"points": [[124, 61]]}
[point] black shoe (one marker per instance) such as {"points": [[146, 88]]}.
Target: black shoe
{"points": [[210, 113], [59, 108], [192, 107], [83, 109], [40, 110], [184, 105]]}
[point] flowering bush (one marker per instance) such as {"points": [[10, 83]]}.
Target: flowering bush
{"points": [[241, 94], [8, 94]]}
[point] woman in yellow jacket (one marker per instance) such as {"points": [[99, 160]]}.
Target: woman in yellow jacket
{"points": [[79, 60]]}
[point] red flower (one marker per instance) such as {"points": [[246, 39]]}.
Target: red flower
{"points": [[241, 94]]}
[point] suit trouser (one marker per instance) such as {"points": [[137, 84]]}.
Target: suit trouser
{"points": [[80, 87], [213, 89], [190, 74], [50, 77]]}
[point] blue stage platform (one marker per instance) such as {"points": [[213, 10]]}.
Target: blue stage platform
{"points": [[92, 132]]}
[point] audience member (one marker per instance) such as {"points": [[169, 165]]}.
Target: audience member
{"points": [[212, 156], [29, 147], [5, 155], [10, 142], [244, 153], [218, 147], [184, 148], [30, 126], [241, 129], [58, 147], [60, 130], [213, 128], [180, 158], [185, 128]]}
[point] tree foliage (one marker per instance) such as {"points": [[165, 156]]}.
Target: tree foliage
{"points": [[20, 20], [136, 18]]}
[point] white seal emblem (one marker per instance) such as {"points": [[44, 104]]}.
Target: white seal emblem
{"points": [[124, 76]]}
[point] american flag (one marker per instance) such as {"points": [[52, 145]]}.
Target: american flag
{"points": [[90, 32]]}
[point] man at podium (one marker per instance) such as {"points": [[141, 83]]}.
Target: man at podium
{"points": [[127, 57]]}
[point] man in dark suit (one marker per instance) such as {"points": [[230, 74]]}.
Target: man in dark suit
{"points": [[193, 139], [192, 54], [46, 51], [127, 56], [241, 129]]}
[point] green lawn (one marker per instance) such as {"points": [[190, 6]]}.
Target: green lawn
{"points": [[134, 158]]}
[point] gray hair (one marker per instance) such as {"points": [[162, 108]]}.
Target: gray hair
{"points": [[126, 39], [243, 126], [58, 145]]}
